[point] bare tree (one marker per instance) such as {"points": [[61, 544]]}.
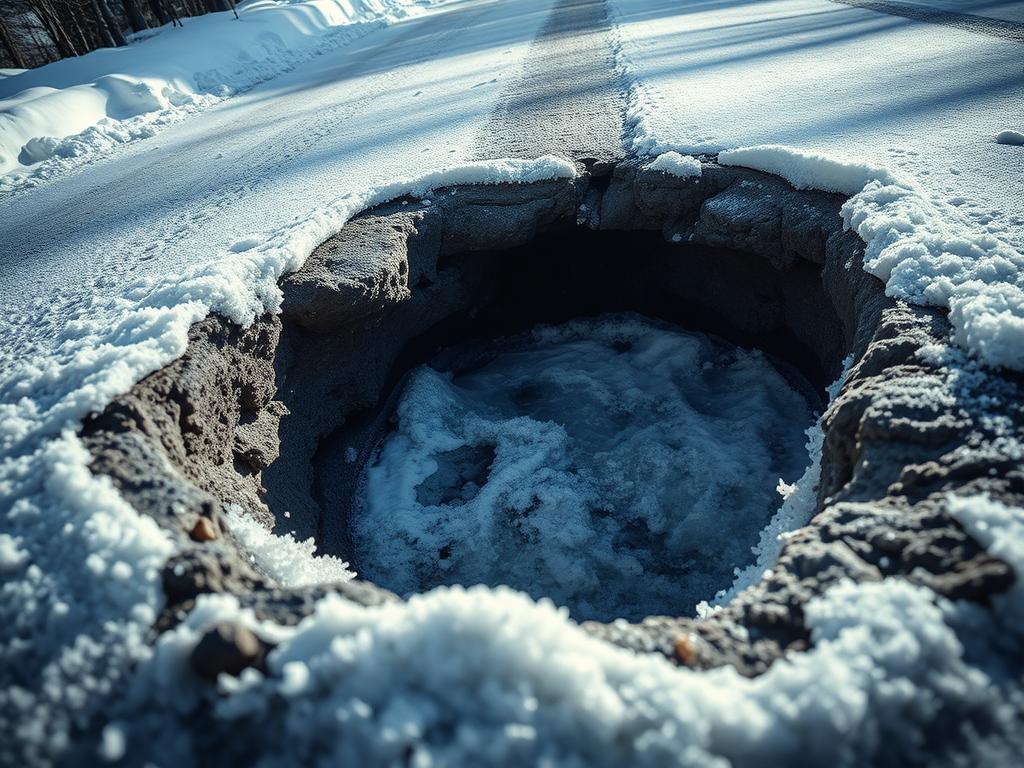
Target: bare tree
{"points": [[107, 25], [33, 32], [11, 45], [136, 18]]}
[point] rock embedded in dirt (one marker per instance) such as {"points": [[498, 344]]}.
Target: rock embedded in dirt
{"points": [[227, 649], [203, 530]]}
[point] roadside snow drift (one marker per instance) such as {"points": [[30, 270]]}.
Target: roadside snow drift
{"points": [[79, 106]]}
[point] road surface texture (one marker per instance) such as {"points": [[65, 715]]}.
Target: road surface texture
{"points": [[924, 100], [569, 98]]}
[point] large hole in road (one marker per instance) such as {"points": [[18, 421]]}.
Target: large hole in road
{"points": [[601, 418]]}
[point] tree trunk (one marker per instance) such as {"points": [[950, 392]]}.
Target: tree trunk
{"points": [[110, 22], [103, 31], [172, 11], [11, 46], [83, 43], [158, 10], [135, 17], [56, 30]]}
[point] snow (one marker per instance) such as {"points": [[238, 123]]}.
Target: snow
{"points": [[285, 560], [683, 166], [1000, 530], [616, 466], [78, 107], [1016, 138], [914, 245], [807, 170], [799, 503], [372, 686], [209, 214], [338, 123], [81, 566], [936, 200], [271, 171]]}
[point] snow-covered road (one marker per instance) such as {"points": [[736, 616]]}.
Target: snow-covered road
{"points": [[925, 100], [474, 80], [400, 101], [569, 99]]}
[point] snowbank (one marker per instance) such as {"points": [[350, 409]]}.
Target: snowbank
{"points": [[807, 170], [77, 107], [923, 253], [80, 566]]}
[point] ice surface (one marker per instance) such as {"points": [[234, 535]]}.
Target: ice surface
{"points": [[616, 466]]}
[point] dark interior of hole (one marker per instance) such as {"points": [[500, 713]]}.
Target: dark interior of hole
{"points": [[341, 387]]}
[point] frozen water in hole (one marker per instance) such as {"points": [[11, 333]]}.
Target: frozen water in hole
{"points": [[618, 466]]}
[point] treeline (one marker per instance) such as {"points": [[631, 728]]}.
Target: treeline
{"points": [[34, 32]]}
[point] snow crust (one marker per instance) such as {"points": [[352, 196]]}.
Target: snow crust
{"points": [[81, 585], [807, 170], [617, 466], [683, 166], [68, 111]]}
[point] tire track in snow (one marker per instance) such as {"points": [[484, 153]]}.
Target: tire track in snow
{"points": [[569, 98], [982, 25]]}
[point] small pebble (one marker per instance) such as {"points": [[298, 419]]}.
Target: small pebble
{"points": [[203, 530]]}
